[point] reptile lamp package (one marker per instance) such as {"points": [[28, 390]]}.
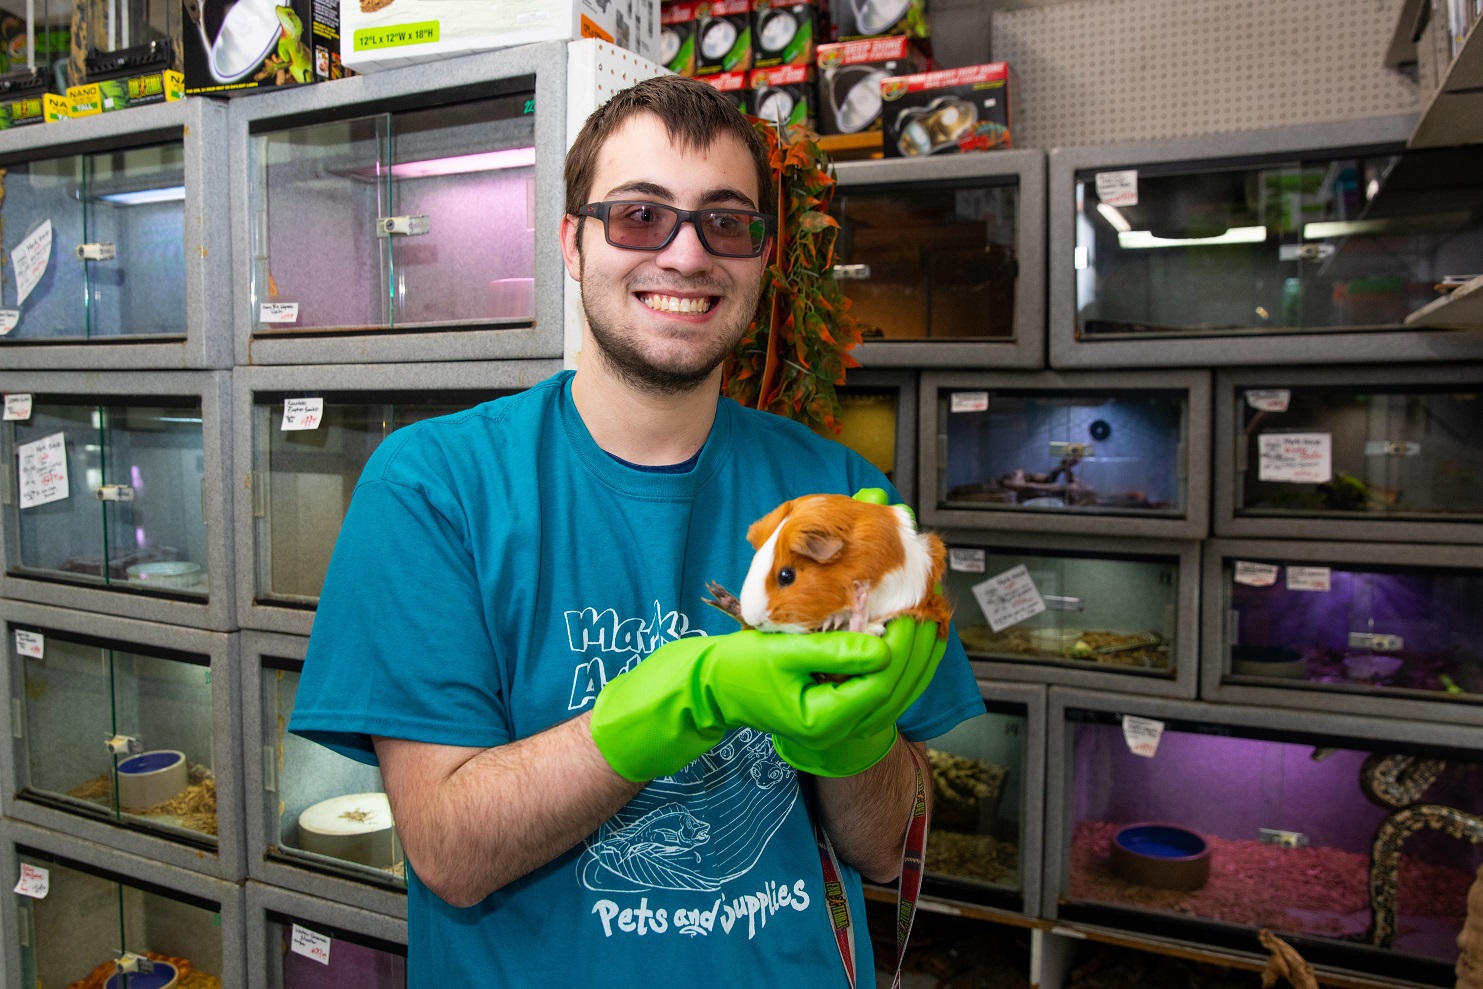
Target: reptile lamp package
{"points": [[856, 19], [946, 112], [723, 37], [733, 85], [783, 32], [259, 44], [850, 76], [677, 36], [384, 34], [784, 95]]}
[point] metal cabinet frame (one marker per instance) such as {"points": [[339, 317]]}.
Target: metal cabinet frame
{"points": [[213, 388], [261, 900], [202, 127]]}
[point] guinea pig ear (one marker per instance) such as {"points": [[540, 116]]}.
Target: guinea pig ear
{"points": [[763, 528], [816, 542]]}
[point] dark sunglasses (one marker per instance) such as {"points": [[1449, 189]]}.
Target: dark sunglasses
{"points": [[636, 225]]}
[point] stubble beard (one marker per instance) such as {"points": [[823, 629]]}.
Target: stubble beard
{"points": [[624, 354]]}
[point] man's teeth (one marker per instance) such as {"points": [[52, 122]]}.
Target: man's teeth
{"points": [[671, 303]]}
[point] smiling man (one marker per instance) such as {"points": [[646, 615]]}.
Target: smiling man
{"points": [[598, 781]]}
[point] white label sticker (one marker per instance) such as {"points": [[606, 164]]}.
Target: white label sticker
{"points": [[1142, 735], [970, 401], [965, 560], [1392, 448], [278, 312], [8, 319], [31, 644], [30, 258], [302, 413], [1009, 598], [35, 882], [17, 407], [1255, 574], [1118, 188], [1307, 578], [1298, 458], [43, 468], [1269, 399], [310, 945]]}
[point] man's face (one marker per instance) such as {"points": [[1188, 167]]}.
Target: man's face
{"points": [[664, 320]]}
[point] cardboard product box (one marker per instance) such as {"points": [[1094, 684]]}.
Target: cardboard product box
{"points": [[784, 32], [129, 77], [383, 34], [723, 37], [734, 85], [677, 36], [850, 74], [856, 19], [232, 48], [949, 111], [784, 94], [26, 98]]}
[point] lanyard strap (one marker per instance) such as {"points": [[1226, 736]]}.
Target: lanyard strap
{"points": [[913, 858]]}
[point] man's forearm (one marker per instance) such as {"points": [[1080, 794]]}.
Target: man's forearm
{"points": [[866, 814], [471, 826]]}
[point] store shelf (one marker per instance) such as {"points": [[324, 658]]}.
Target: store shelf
{"points": [[852, 146], [1462, 309], [1455, 113]]}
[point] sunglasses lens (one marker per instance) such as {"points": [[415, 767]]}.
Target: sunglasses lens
{"points": [[736, 235], [641, 225]]}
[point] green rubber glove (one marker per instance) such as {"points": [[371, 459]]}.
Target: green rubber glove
{"points": [[658, 717], [880, 699], [878, 496]]}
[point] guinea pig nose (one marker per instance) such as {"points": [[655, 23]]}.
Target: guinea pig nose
{"points": [[786, 576]]}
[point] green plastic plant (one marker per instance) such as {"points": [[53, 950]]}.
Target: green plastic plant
{"points": [[797, 348]]}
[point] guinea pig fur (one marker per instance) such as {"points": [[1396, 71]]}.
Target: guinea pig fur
{"points": [[828, 562]]}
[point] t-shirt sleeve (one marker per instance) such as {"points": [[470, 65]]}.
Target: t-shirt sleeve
{"points": [[401, 646]]}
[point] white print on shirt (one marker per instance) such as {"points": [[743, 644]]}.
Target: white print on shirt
{"points": [[618, 644], [755, 907]]}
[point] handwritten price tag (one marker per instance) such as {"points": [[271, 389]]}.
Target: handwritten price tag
{"points": [[43, 466], [30, 258], [1009, 598], [1118, 188], [278, 312], [8, 319], [1255, 574], [1308, 578], [31, 644], [302, 413], [1269, 399], [35, 882], [965, 560], [1296, 458], [311, 945], [969, 401], [17, 408], [1142, 735]]}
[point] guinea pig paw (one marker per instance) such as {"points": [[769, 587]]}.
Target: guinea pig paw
{"points": [[875, 628]]}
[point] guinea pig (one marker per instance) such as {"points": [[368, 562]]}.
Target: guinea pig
{"points": [[827, 562]]}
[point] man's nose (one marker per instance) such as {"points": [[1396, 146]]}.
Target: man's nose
{"points": [[685, 254]]}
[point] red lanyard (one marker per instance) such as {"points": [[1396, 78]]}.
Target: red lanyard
{"points": [[913, 857]]}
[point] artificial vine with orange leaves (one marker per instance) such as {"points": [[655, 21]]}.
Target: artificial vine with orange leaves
{"points": [[797, 348]]}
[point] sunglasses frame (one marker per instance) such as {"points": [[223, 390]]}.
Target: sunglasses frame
{"points": [[683, 216]]}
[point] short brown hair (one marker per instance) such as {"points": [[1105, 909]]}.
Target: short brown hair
{"points": [[694, 114]]}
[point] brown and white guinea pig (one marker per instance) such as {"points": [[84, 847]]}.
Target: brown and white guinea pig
{"points": [[828, 562]]}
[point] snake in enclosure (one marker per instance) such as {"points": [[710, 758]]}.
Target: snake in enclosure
{"points": [[1399, 781]]}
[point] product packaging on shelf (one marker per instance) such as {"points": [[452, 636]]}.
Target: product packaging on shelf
{"points": [[723, 37], [784, 94], [783, 32], [850, 74], [257, 44], [677, 36], [384, 34], [734, 86], [131, 77], [856, 19], [25, 98], [949, 111]]}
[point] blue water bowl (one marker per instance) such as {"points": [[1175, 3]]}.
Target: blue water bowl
{"points": [[163, 977], [1163, 856], [150, 762], [151, 778]]}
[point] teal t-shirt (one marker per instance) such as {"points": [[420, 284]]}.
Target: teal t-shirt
{"points": [[496, 568]]}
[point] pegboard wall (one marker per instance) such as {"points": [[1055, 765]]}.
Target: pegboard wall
{"points": [[1102, 71]]}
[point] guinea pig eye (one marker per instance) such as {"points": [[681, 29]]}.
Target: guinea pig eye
{"points": [[786, 576]]}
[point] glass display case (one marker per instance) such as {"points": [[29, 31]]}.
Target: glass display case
{"points": [[1114, 613], [942, 260], [1383, 630], [1356, 840], [82, 918], [119, 492], [878, 421], [1276, 246], [947, 950], [1074, 453], [96, 218], [297, 941], [1389, 455]]}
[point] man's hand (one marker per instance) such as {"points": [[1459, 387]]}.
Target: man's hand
{"points": [[676, 704], [877, 700]]}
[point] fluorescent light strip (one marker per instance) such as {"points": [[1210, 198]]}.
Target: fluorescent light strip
{"points": [[1235, 235], [484, 161], [1343, 228], [170, 194]]}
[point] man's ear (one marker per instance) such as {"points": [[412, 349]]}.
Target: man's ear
{"points": [[571, 251]]}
